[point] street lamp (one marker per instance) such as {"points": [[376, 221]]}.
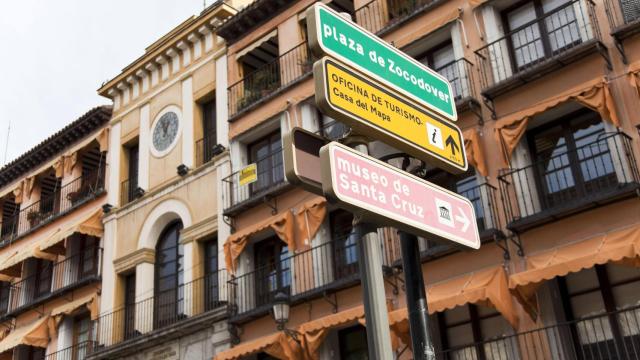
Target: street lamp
{"points": [[281, 309]]}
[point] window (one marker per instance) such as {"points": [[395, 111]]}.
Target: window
{"points": [[169, 291], [24, 352], [571, 160], [87, 257], [330, 128], [209, 139], [42, 278], [273, 269], [5, 291], [266, 153], [260, 70], [9, 219], [345, 247], [82, 336], [464, 328], [130, 306], [611, 289], [211, 274], [130, 185], [353, 343], [533, 40], [49, 196]]}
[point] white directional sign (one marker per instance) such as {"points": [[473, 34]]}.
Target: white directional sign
{"points": [[390, 196]]}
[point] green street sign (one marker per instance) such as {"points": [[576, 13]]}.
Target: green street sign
{"points": [[333, 35]]}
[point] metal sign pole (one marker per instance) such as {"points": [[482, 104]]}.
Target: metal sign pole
{"points": [[416, 298], [375, 299]]}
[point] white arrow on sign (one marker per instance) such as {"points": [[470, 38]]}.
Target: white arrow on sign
{"points": [[463, 219]]}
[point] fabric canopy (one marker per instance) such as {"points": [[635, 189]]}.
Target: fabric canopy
{"points": [[617, 245], [441, 21], [277, 345], [11, 261], [314, 332], [487, 287], [90, 225], [399, 325], [35, 334], [90, 301], [595, 95], [256, 44], [282, 224], [473, 148], [634, 76], [309, 218]]}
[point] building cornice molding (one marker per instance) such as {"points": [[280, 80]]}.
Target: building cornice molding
{"points": [[200, 230], [133, 259]]}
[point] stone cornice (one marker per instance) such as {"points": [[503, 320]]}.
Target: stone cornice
{"points": [[200, 230], [131, 260]]}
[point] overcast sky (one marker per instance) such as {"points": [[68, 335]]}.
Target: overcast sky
{"points": [[55, 54]]}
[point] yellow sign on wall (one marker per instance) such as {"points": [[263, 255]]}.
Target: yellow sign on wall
{"points": [[248, 174], [376, 111]]}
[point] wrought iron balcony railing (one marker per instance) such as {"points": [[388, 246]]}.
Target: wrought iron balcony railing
{"points": [[163, 310], [62, 275], [269, 179], [595, 173], [129, 191], [76, 352], [49, 208], [614, 335], [204, 148], [272, 77], [538, 47], [622, 12], [460, 75], [378, 15]]}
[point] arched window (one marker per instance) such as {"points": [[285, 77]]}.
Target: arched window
{"points": [[169, 280]]}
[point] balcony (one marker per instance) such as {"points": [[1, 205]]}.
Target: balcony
{"points": [[130, 191], [484, 201], [163, 317], [460, 75], [70, 273], [564, 35], [205, 149], [623, 16], [270, 181], [593, 175], [270, 79], [614, 335], [48, 208], [330, 266], [76, 352], [380, 16]]}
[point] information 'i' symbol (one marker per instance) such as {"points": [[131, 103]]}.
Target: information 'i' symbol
{"points": [[433, 137]]}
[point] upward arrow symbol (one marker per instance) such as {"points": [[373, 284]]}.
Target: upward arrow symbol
{"points": [[452, 143]]}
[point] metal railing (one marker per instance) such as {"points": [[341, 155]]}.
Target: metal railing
{"points": [[297, 275], [269, 78], [622, 12], [485, 204], [163, 309], [590, 173], [537, 42], [62, 275], [377, 15], [50, 207], [270, 175], [460, 75], [614, 335], [76, 352], [128, 191], [204, 148]]}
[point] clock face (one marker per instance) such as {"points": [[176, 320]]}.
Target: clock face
{"points": [[165, 131]]}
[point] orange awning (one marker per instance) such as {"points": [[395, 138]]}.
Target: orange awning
{"points": [[594, 95], [441, 21], [90, 225], [617, 245], [277, 345], [282, 224], [11, 262], [90, 301], [473, 148], [488, 287], [35, 334], [309, 218]]}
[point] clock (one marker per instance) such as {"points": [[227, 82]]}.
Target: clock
{"points": [[165, 132]]}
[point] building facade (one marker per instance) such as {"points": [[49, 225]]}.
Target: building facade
{"points": [[51, 242], [166, 291], [546, 94]]}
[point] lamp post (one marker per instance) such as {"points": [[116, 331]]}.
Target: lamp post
{"points": [[281, 310]]}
